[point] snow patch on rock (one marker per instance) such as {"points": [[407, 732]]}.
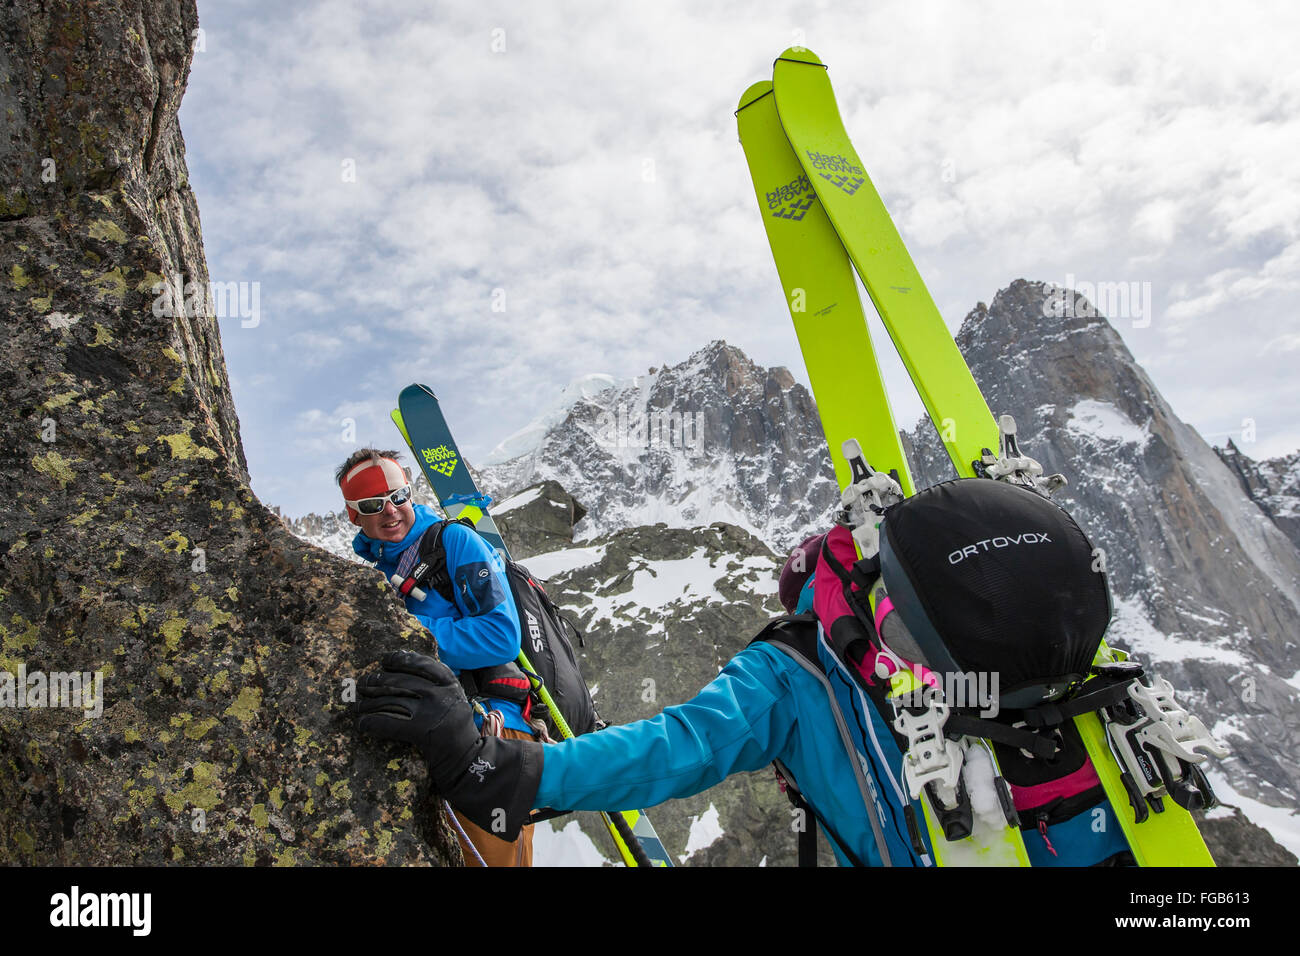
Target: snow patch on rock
{"points": [[705, 830], [1103, 422], [567, 847], [518, 501], [1132, 628], [566, 559], [1282, 823]]}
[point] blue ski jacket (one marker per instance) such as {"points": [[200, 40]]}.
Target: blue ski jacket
{"points": [[481, 629], [764, 706]]}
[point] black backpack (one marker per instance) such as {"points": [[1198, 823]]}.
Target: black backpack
{"points": [[546, 647]]}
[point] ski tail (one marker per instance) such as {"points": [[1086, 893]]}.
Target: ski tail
{"points": [[811, 120]]}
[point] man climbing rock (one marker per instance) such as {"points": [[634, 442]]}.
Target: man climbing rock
{"points": [[477, 630]]}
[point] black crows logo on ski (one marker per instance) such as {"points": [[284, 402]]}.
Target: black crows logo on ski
{"points": [[838, 170], [441, 459], [793, 200]]}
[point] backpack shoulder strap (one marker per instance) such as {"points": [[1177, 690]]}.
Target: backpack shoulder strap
{"points": [[792, 632], [797, 635], [434, 555], [798, 632]]}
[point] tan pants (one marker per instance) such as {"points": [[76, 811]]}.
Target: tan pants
{"points": [[494, 850]]}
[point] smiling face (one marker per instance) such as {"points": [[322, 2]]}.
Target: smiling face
{"points": [[391, 524], [375, 477]]}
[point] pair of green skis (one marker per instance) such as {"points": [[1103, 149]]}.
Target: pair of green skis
{"points": [[824, 219], [424, 428]]}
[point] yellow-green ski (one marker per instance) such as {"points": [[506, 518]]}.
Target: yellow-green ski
{"points": [[821, 294], [823, 299], [811, 122]]}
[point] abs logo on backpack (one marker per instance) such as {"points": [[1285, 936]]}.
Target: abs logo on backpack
{"points": [[534, 631]]}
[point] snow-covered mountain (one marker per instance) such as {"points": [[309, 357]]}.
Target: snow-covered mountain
{"points": [[716, 438]]}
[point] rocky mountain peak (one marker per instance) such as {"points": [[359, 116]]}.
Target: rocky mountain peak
{"points": [[1036, 334], [716, 437]]}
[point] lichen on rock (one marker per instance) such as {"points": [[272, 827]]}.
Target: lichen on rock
{"points": [[222, 675]]}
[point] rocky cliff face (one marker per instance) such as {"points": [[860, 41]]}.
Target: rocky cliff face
{"points": [[1273, 485], [538, 520], [132, 552]]}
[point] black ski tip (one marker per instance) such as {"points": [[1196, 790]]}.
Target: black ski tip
{"points": [[756, 92]]}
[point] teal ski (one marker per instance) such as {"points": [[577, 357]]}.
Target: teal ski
{"points": [[419, 418]]}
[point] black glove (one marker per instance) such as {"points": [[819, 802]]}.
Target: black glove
{"points": [[419, 700]]}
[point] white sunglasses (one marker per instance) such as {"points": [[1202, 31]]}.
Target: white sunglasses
{"points": [[373, 506]]}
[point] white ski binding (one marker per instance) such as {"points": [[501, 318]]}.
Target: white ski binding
{"points": [[865, 499], [1160, 749], [1012, 466], [931, 758]]}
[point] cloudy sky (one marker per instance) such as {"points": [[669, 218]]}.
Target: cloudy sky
{"points": [[498, 198]]}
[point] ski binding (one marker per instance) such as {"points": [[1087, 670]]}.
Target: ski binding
{"points": [[933, 764], [1157, 742], [865, 498], [1012, 466]]}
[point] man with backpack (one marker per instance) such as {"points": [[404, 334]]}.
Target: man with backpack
{"points": [[474, 620], [969, 576]]}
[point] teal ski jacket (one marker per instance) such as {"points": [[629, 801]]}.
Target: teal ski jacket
{"points": [[768, 705]]}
